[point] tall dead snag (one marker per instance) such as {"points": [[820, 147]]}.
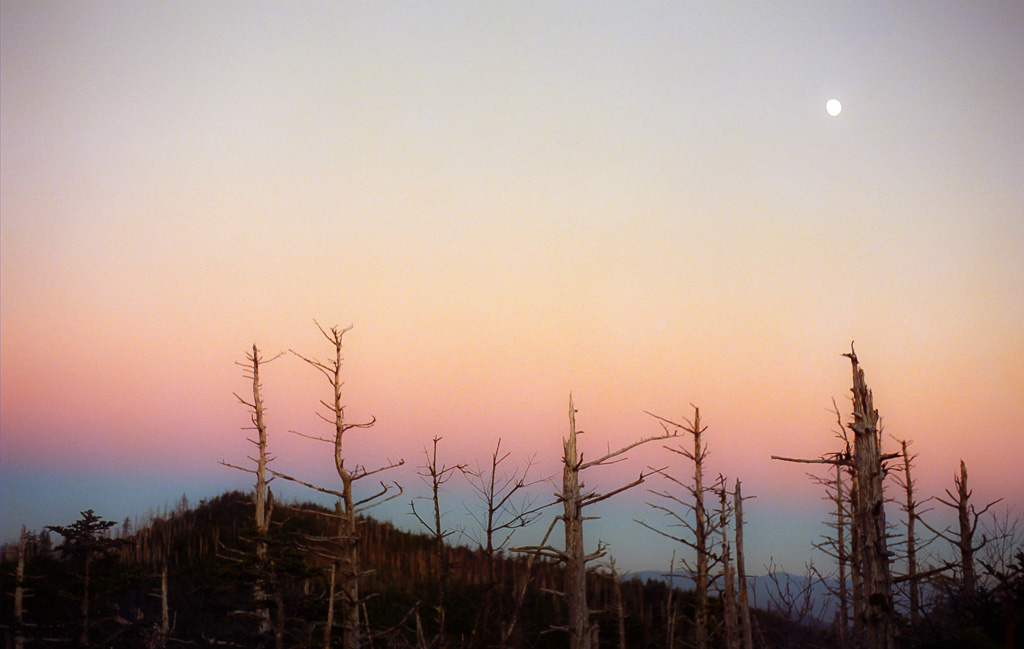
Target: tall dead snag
{"points": [[263, 497], [967, 524], [20, 593], [436, 475], [729, 614], [573, 500], [741, 572], [909, 507], [869, 516], [873, 606], [670, 610], [343, 549], [702, 527]]}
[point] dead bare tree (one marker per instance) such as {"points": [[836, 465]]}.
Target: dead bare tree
{"points": [[911, 509], [162, 632], [729, 615], [702, 526], [263, 496], [343, 549], [963, 540], [574, 500], [670, 610], [504, 508], [436, 476], [873, 606], [20, 593], [741, 573], [793, 596]]}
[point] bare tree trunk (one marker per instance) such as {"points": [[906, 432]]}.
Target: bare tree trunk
{"points": [[329, 623], [262, 501], [967, 524], [575, 588], [965, 541], [732, 637], [165, 617], [700, 536], [19, 593], [582, 634], [856, 576], [263, 497], [874, 616], [841, 558], [345, 545], [910, 509], [869, 516], [701, 527], [748, 635], [436, 475], [503, 513]]}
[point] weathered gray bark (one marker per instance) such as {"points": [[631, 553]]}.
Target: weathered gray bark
{"points": [[842, 559], [869, 516], [343, 549], [670, 611], [874, 617], [729, 614], [967, 524], [701, 535], [437, 475], [741, 572], [702, 526], [19, 593], [910, 508], [575, 558], [581, 631], [262, 496]]}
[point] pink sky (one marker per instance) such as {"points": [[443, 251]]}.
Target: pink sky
{"points": [[649, 208]]}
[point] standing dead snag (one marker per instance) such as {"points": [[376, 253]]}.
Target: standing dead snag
{"points": [[910, 509], [573, 501], [437, 476], [741, 571], [967, 524], [263, 496], [874, 606], [342, 550], [730, 614], [20, 593], [702, 527], [504, 509]]}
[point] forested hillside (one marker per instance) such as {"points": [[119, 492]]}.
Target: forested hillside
{"points": [[187, 580], [207, 553]]}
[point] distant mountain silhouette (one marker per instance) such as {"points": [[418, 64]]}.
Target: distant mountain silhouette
{"points": [[784, 594]]}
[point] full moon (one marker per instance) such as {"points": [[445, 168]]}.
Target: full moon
{"points": [[833, 107]]}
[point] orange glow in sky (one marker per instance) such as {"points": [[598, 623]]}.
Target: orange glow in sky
{"points": [[645, 206]]}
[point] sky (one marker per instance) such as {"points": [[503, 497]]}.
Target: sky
{"points": [[643, 204]]}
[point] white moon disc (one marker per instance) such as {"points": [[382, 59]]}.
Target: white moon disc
{"points": [[833, 107]]}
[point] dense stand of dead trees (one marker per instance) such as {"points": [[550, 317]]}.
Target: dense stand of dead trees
{"points": [[854, 486]]}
